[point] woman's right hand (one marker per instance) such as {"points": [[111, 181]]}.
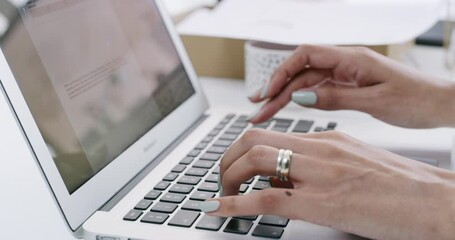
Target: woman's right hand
{"points": [[356, 78]]}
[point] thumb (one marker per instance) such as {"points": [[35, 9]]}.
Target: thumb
{"points": [[335, 98]]}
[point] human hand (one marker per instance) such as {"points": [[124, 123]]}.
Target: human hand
{"points": [[339, 182], [356, 78]]}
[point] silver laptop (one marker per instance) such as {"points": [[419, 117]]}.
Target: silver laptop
{"points": [[113, 112]]}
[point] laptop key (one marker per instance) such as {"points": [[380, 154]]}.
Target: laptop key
{"points": [[217, 149], [198, 172], [202, 196], [194, 153], [216, 170], [264, 178], [219, 126], [162, 185], [260, 185], [152, 195], [190, 180], [331, 125], [274, 221], [234, 130], [180, 188], [179, 168], [164, 207], [243, 188], [132, 215], [213, 133], [207, 139], [192, 205], [155, 217], [249, 181], [318, 129], [170, 176], [212, 178], [173, 198], [228, 136], [251, 217], [184, 218], [208, 187], [283, 121], [303, 126], [204, 164], [230, 116], [280, 129], [187, 160], [268, 231], [240, 124], [143, 204], [201, 146], [210, 156], [212, 223], [222, 143], [238, 226]]}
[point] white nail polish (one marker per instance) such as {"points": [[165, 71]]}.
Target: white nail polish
{"points": [[210, 206]]}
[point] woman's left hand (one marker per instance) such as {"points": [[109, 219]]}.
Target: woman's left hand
{"points": [[342, 183]]}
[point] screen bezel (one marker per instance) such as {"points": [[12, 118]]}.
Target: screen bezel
{"points": [[82, 203]]}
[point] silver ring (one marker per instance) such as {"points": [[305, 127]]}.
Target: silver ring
{"points": [[285, 166], [279, 161]]}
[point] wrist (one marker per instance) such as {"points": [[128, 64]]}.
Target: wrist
{"points": [[440, 102], [444, 105]]}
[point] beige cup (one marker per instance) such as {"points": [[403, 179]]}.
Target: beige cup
{"points": [[261, 61]]}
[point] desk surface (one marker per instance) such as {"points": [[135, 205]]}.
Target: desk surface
{"points": [[27, 207]]}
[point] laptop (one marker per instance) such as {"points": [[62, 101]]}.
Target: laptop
{"points": [[115, 116]]}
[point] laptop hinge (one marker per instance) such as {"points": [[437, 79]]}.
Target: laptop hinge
{"points": [[135, 180]]}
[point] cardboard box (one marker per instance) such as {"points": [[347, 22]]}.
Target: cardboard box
{"points": [[222, 57]]}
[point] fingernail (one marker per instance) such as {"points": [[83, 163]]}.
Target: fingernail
{"points": [[264, 91], [210, 206], [304, 98], [252, 115]]}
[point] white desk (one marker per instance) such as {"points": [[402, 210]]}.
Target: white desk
{"points": [[27, 209]]}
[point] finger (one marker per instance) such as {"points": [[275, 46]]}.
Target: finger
{"points": [[273, 139], [330, 97], [309, 77], [320, 57], [272, 201], [259, 160]]}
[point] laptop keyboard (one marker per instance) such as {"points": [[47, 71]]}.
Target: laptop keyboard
{"points": [[176, 199]]}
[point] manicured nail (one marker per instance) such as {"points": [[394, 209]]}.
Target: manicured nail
{"points": [[264, 91], [252, 115], [304, 98], [210, 206]]}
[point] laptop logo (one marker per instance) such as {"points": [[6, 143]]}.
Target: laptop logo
{"points": [[149, 145]]}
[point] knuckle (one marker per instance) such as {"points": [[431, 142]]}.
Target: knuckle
{"points": [[334, 135], [231, 205], [336, 173], [335, 150], [257, 154], [251, 136], [306, 48], [268, 202]]}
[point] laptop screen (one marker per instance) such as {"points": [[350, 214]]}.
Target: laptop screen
{"points": [[96, 75]]}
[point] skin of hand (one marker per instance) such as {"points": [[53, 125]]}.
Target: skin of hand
{"points": [[341, 183], [357, 78]]}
